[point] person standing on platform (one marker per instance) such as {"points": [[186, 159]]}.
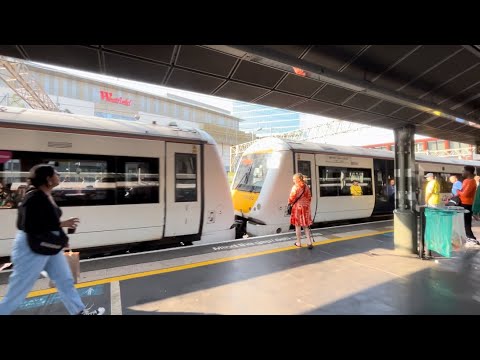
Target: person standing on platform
{"points": [[467, 195], [300, 197], [457, 184]]}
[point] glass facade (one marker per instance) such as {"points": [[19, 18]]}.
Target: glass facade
{"points": [[264, 120]]}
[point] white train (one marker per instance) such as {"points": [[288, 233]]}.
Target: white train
{"points": [[263, 180], [128, 182]]}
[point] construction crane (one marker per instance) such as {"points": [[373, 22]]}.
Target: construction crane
{"points": [[314, 133], [17, 77]]}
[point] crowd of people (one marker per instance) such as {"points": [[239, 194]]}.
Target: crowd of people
{"points": [[464, 193]]}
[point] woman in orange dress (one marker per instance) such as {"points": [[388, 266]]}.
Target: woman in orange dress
{"points": [[301, 215]]}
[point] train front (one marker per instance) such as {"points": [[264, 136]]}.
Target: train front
{"points": [[257, 188]]}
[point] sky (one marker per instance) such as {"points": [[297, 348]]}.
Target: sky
{"points": [[365, 136]]}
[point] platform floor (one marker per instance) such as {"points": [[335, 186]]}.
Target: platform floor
{"points": [[351, 270]]}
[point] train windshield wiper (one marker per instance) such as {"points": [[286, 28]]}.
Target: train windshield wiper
{"points": [[245, 177]]}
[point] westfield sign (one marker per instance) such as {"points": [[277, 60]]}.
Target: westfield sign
{"points": [[107, 96]]}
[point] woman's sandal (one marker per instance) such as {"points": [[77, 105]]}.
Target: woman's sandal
{"points": [[297, 245]]}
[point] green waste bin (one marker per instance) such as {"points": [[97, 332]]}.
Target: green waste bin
{"points": [[438, 230]]}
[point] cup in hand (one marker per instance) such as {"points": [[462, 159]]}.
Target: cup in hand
{"points": [[73, 227]]}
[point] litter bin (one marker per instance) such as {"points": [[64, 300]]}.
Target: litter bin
{"points": [[442, 229]]}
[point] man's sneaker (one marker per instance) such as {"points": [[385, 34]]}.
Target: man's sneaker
{"points": [[471, 243], [99, 311]]}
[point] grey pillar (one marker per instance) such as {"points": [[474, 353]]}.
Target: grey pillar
{"points": [[405, 217]]}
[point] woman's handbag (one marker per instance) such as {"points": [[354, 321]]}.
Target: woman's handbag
{"points": [[290, 206], [73, 259], [47, 243], [289, 209]]}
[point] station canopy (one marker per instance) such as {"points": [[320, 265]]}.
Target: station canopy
{"points": [[434, 87]]}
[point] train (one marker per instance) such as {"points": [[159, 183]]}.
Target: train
{"points": [[263, 179], [127, 181]]}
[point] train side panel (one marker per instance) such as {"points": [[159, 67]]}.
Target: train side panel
{"points": [[219, 217]]}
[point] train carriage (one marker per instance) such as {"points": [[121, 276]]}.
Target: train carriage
{"points": [[127, 181]]}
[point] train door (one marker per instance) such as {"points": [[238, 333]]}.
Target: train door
{"points": [[384, 183], [183, 189], [305, 163]]}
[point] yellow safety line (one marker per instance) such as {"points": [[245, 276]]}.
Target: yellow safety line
{"points": [[198, 264]]}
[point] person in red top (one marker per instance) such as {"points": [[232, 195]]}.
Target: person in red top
{"points": [[301, 216], [467, 195]]}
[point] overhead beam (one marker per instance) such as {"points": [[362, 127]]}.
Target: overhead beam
{"points": [[270, 57], [474, 49]]}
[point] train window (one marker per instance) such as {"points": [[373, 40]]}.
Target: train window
{"points": [[137, 180], [432, 145], [337, 181], [185, 177], [79, 176], [304, 168], [330, 179], [13, 182], [84, 179], [252, 171], [363, 176]]}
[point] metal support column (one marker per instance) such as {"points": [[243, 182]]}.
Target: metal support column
{"points": [[405, 217]]}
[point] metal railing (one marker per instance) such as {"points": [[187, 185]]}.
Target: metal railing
{"points": [[462, 153], [20, 79], [330, 128]]}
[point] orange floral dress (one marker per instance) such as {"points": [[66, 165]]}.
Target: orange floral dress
{"points": [[301, 215]]}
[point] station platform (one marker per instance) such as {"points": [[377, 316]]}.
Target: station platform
{"points": [[352, 269]]}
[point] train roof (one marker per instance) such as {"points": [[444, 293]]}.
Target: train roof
{"points": [[277, 144], [61, 121]]}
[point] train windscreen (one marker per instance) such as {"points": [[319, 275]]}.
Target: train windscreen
{"points": [[252, 171]]}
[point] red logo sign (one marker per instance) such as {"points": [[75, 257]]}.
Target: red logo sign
{"points": [[107, 96]]}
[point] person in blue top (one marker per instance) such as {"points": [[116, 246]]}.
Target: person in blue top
{"points": [[457, 184]]}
